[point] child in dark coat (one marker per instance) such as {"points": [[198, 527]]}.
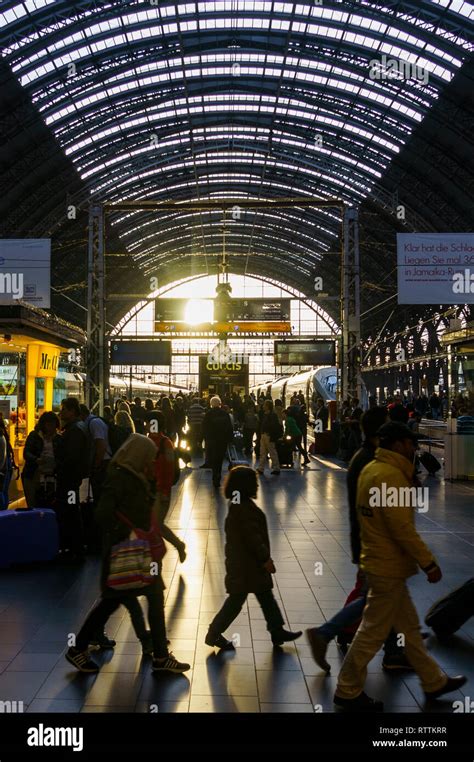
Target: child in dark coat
{"points": [[249, 566]]}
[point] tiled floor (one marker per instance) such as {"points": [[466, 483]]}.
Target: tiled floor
{"points": [[307, 517]]}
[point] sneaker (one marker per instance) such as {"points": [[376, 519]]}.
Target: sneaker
{"points": [[362, 703], [275, 473], [396, 663], [170, 664], [318, 646], [281, 636], [103, 641], [451, 684], [219, 642], [182, 552], [81, 661]]}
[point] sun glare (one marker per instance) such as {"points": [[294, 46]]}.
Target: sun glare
{"points": [[199, 311]]}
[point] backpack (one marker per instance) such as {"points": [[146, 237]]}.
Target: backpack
{"points": [[117, 436], [177, 467]]}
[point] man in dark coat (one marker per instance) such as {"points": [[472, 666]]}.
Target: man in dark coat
{"points": [[218, 433]]}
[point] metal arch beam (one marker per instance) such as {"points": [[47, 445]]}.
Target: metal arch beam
{"points": [[51, 96], [422, 10], [173, 39], [235, 237], [147, 237], [164, 154], [244, 183], [249, 175], [227, 203], [339, 165], [309, 98]]}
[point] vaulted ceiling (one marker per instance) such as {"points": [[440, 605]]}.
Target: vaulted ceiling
{"points": [[116, 100]]}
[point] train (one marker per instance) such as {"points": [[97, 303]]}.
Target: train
{"points": [[318, 382], [74, 386], [67, 384]]}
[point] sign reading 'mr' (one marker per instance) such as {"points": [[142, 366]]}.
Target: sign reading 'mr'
{"points": [[48, 362]]}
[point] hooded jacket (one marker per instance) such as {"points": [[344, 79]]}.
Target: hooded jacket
{"points": [[391, 546], [126, 490]]}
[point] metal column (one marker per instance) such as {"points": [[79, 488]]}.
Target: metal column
{"points": [[96, 355], [350, 356]]}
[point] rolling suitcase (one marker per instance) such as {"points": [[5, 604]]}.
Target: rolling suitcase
{"points": [[284, 448], [235, 459], [28, 535], [450, 613], [429, 461]]}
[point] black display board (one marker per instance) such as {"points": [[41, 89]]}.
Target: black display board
{"points": [[140, 352], [311, 352]]}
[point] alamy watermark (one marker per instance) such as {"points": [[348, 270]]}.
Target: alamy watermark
{"points": [[394, 68], [399, 497], [12, 283], [463, 282], [45, 736]]}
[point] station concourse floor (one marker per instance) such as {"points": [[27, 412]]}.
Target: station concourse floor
{"points": [[308, 521]]}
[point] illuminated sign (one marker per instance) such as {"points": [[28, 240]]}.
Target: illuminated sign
{"points": [[42, 361], [226, 311], [48, 362], [224, 366], [312, 352], [224, 327]]}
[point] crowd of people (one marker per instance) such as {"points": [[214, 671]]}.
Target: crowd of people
{"points": [[129, 457]]}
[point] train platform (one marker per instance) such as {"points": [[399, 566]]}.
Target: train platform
{"points": [[307, 514]]}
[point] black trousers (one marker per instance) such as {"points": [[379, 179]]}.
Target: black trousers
{"points": [[215, 453], [68, 513], [133, 607], [248, 439], [233, 606], [104, 609]]}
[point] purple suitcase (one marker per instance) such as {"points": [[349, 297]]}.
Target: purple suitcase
{"points": [[28, 535]]}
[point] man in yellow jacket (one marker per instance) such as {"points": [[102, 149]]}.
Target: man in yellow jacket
{"points": [[392, 551]]}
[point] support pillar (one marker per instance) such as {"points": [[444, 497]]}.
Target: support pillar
{"points": [[350, 357], [48, 393], [30, 390], [96, 350]]}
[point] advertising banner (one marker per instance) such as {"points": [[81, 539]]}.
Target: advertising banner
{"points": [[25, 268], [435, 268]]}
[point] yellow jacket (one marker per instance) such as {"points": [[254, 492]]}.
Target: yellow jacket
{"points": [[391, 546]]}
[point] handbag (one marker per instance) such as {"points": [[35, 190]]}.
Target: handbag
{"points": [[130, 564], [153, 537]]}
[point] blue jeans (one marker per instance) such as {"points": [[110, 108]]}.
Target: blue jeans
{"points": [[347, 616]]}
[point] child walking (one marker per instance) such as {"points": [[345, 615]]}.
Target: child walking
{"points": [[249, 566]]}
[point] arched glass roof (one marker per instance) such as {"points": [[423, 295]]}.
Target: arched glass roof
{"points": [[233, 98]]}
